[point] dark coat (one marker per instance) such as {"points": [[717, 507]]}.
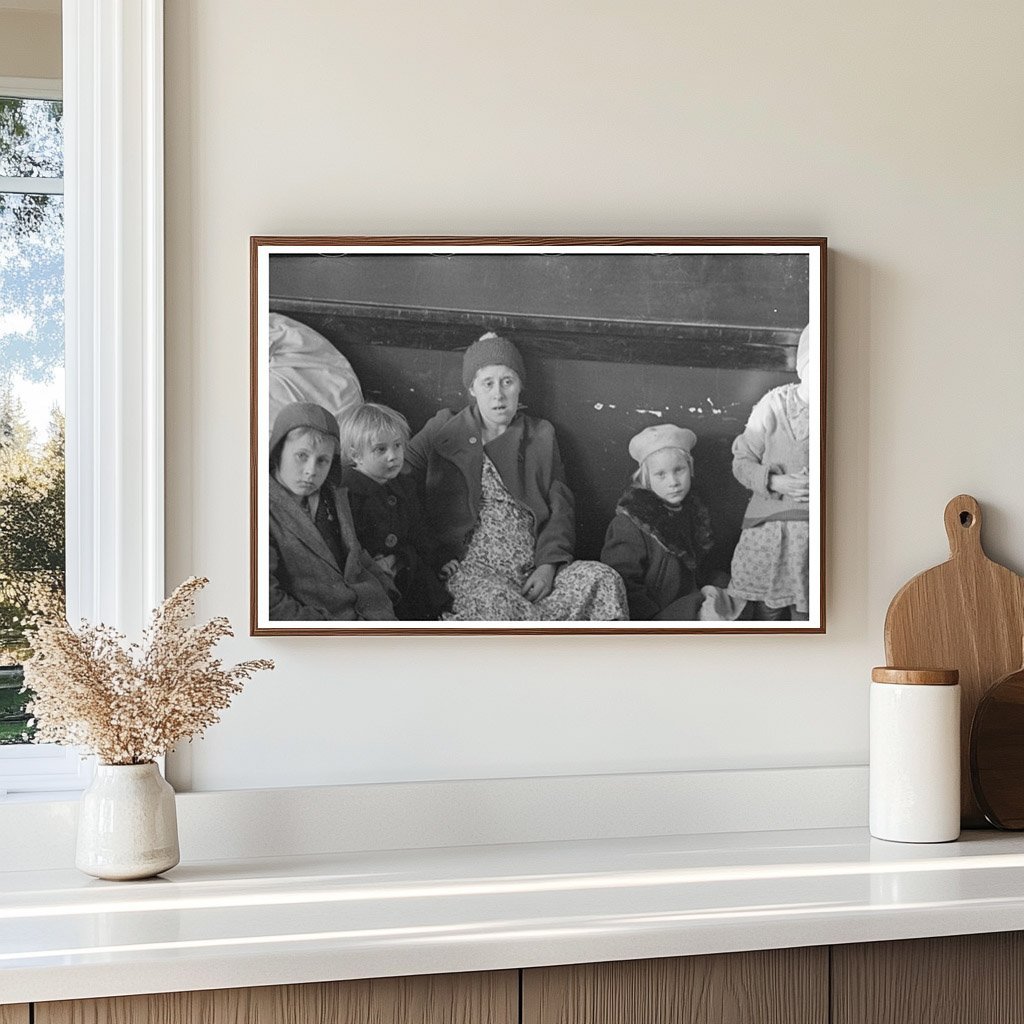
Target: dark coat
{"points": [[306, 582], [388, 521], [447, 459], [660, 554]]}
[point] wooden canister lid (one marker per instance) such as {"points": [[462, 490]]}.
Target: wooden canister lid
{"points": [[916, 676]]}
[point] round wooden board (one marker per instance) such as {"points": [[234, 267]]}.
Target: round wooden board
{"points": [[997, 752]]}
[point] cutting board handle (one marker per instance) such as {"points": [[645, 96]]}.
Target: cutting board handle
{"points": [[963, 527]]}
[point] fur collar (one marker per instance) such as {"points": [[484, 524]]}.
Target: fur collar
{"points": [[685, 533]]}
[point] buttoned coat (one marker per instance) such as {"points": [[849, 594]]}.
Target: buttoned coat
{"points": [[447, 459], [306, 582], [388, 521]]}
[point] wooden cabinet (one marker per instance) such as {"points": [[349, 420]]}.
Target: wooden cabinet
{"points": [[972, 979], [778, 986], [963, 979], [491, 998], [966, 979]]}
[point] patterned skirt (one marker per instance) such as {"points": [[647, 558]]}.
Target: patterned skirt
{"points": [[771, 564], [486, 586]]}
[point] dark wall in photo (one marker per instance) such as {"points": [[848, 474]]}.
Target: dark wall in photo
{"points": [[611, 345], [760, 290]]}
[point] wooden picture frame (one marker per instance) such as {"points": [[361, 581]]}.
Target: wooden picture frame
{"points": [[615, 335]]}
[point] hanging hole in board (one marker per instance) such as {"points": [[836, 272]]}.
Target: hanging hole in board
{"points": [[966, 519]]}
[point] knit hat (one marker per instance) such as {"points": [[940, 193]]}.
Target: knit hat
{"points": [[803, 352], [303, 414], [661, 435], [491, 350]]}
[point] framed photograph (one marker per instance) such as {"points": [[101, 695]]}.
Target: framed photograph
{"points": [[537, 435]]}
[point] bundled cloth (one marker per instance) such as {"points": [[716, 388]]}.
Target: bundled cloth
{"points": [[305, 367], [719, 605]]}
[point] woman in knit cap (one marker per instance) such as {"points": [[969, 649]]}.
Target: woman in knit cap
{"points": [[496, 497], [771, 457]]}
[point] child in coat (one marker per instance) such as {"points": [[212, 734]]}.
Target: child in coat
{"points": [[660, 538], [386, 510], [318, 570], [770, 565]]}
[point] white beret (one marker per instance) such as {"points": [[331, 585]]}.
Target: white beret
{"points": [[661, 435]]}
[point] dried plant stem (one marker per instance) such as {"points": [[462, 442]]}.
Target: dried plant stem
{"points": [[130, 703]]}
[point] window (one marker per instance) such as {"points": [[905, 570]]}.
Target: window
{"points": [[31, 381], [32, 535], [113, 309]]}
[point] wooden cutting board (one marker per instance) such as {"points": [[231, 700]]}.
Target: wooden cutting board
{"points": [[967, 614]]}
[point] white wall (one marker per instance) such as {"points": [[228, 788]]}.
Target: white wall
{"points": [[894, 129], [29, 42]]}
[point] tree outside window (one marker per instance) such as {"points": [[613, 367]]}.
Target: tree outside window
{"points": [[32, 544]]}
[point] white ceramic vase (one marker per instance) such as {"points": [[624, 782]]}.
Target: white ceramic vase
{"points": [[127, 825]]}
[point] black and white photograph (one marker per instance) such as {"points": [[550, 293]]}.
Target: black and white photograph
{"points": [[537, 435]]}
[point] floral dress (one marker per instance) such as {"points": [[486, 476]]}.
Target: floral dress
{"points": [[487, 584], [771, 562]]}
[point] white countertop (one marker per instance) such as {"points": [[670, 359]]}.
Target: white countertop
{"points": [[225, 924]]}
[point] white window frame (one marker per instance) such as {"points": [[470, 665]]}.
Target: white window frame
{"points": [[114, 336], [32, 88]]}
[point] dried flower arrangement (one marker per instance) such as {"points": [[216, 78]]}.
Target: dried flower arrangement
{"points": [[129, 704]]}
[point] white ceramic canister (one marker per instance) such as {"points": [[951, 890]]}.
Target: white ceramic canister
{"points": [[915, 755]]}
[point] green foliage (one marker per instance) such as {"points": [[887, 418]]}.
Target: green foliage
{"points": [[31, 241], [31, 346], [14, 719], [31, 146], [31, 138], [31, 524], [31, 548]]}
